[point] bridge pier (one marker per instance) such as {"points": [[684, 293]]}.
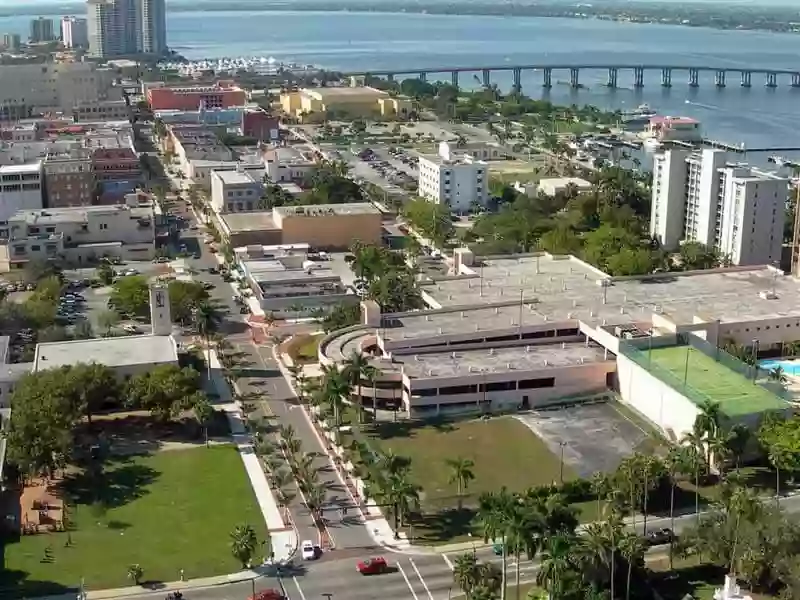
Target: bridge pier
{"points": [[746, 76], [517, 89], [547, 81], [694, 77], [487, 78], [423, 76], [574, 78], [772, 80], [719, 79], [454, 78], [795, 80], [638, 77], [666, 77], [612, 77]]}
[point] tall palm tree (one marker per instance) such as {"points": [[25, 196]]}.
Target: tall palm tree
{"points": [[334, 388], [461, 473], [357, 368], [524, 529], [709, 419], [206, 321], [677, 462], [737, 439], [556, 562], [465, 572], [494, 510], [403, 495], [632, 549], [600, 487]]}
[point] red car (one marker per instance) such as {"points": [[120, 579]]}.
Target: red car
{"points": [[267, 595], [373, 566]]}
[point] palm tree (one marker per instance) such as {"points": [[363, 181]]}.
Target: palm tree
{"points": [[206, 320], [461, 473], [243, 544], [709, 419], [494, 510], [135, 573], [356, 368], [632, 549], [736, 441], [335, 387], [600, 487], [523, 535], [556, 562], [778, 375], [677, 463], [465, 572], [404, 497], [694, 462], [204, 412]]}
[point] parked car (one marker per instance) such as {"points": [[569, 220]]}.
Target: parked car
{"points": [[373, 566], [308, 550], [658, 537]]}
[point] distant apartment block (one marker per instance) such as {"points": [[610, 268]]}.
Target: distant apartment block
{"points": [[41, 30], [223, 94], [151, 26], [28, 90], [456, 181], [736, 209], [12, 41], [126, 27], [75, 32], [78, 236]]}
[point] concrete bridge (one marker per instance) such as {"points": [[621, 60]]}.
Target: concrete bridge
{"points": [[770, 77]]}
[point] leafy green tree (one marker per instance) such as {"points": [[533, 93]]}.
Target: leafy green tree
{"points": [[165, 390], [105, 273], [131, 295], [91, 386], [694, 255], [243, 544], [203, 412], [430, 219], [341, 316], [107, 319], [184, 299]]}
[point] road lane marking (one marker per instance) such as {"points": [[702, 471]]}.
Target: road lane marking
{"points": [[408, 583], [448, 562], [416, 570], [297, 585]]}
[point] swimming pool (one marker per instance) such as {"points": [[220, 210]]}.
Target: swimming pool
{"points": [[789, 366]]}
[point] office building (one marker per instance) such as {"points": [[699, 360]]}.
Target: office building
{"points": [[27, 90], [12, 41], [457, 181], [78, 236], [126, 27], [235, 190], [222, 94], [75, 32], [733, 208], [41, 30], [151, 25]]}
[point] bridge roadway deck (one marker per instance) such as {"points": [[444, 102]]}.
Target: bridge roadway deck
{"points": [[563, 66]]}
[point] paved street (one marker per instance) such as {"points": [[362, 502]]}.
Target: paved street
{"points": [[263, 377]]}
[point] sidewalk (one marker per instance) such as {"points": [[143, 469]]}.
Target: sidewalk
{"points": [[283, 536]]}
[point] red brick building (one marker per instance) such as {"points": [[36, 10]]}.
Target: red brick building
{"points": [[222, 94]]}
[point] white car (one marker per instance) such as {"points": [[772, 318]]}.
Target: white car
{"points": [[308, 550]]}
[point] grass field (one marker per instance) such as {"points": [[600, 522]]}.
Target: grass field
{"points": [[167, 511], [505, 453], [736, 394]]}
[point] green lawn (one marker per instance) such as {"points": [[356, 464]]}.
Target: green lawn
{"points": [[505, 453], [736, 394], [167, 511]]}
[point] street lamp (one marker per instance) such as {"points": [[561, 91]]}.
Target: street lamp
{"points": [[561, 466], [472, 540]]}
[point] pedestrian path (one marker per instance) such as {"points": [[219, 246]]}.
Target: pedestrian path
{"points": [[282, 534]]}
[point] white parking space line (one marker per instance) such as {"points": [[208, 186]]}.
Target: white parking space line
{"points": [[299, 589], [425, 585], [408, 583], [448, 562]]}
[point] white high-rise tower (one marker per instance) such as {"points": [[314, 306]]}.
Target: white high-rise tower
{"points": [[160, 316]]}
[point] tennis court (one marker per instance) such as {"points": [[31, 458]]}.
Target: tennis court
{"points": [[701, 377]]}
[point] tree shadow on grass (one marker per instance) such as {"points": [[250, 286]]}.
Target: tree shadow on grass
{"points": [[386, 431], [113, 488], [442, 526]]}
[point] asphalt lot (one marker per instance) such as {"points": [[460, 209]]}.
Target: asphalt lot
{"points": [[597, 437]]}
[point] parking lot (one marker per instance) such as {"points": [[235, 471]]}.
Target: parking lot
{"points": [[596, 437]]}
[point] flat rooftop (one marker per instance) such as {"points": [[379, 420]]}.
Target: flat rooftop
{"points": [[235, 177], [335, 92], [78, 214], [708, 380], [321, 210], [498, 360], [112, 352], [249, 221]]}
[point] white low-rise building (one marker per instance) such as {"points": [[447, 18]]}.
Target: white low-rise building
{"points": [[560, 185], [457, 181], [78, 235], [20, 188], [235, 191], [284, 164]]}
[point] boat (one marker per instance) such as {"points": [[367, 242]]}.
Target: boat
{"points": [[639, 116]]}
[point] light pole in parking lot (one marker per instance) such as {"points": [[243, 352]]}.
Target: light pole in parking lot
{"points": [[561, 466]]}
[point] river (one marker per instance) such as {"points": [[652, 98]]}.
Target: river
{"points": [[758, 116]]}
